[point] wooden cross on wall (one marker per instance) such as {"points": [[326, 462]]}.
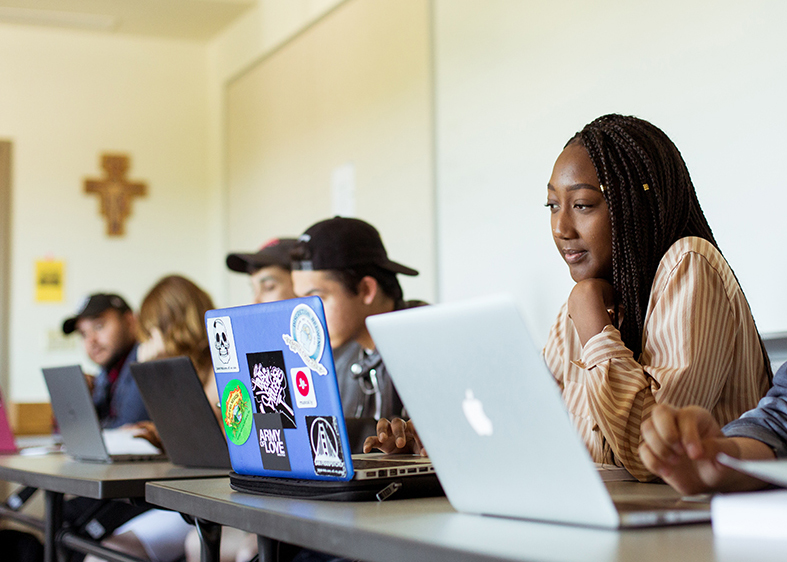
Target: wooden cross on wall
{"points": [[115, 192]]}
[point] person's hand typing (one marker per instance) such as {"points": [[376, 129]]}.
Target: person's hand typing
{"points": [[395, 436]]}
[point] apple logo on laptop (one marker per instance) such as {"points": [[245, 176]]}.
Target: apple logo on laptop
{"points": [[474, 412]]}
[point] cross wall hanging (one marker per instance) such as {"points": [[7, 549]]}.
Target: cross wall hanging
{"points": [[115, 192]]}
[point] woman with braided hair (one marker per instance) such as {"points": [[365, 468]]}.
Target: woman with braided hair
{"points": [[656, 315]]}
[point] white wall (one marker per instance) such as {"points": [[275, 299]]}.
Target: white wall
{"points": [[66, 97], [515, 80], [259, 32]]}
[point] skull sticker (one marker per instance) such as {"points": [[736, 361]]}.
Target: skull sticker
{"points": [[222, 342], [222, 349]]}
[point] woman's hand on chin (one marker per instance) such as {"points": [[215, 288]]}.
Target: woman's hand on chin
{"points": [[588, 307]]}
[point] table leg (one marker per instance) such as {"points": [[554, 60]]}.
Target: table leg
{"points": [[267, 549], [209, 540], [53, 522]]}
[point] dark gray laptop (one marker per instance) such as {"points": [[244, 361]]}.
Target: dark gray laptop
{"points": [[176, 402], [494, 423], [79, 426]]}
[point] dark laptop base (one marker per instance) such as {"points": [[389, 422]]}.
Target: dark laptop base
{"points": [[396, 488]]}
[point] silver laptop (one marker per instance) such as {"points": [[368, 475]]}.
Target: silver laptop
{"points": [[494, 423], [79, 426]]}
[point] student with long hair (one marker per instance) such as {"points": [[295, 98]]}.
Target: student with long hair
{"points": [[170, 324], [656, 314]]}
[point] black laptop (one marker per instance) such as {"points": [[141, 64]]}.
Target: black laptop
{"points": [[176, 402]]}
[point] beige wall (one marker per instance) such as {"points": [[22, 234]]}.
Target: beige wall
{"points": [[5, 259], [66, 97], [354, 88]]}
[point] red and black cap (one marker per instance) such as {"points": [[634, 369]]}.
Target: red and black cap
{"points": [[273, 252]]}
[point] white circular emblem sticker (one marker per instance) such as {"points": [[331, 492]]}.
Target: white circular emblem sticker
{"points": [[306, 329]]}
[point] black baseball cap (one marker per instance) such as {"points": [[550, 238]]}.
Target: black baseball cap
{"points": [[343, 243], [273, 252], [93, 306]]}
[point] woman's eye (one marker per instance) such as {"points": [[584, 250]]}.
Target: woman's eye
{"points": [[551, 206], [582, 206]]}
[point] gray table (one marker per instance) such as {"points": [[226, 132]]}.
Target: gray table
{"points": [[429, 530], [58, 474]]}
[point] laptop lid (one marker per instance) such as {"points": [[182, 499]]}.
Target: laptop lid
{"points": [[490, 413], [280, 402], [7, 444], [177, 404], [75, 414], [79, 426]]}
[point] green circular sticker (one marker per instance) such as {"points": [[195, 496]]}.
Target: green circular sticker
{"points": [[236, 412]]}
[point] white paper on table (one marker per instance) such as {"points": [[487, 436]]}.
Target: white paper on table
{"points": [[750, 514], [121, 441]]}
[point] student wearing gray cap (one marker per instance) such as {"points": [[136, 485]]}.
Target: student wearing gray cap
{"points": [[108, 329]]}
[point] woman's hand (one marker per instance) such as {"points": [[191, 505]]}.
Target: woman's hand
{"points": [[147, 430], [152, 347], [395, 436], [588, 307]]}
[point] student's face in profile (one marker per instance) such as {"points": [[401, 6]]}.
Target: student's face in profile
{"points": [[107, 335], [345, 312], [579, 216], [272, 283]]}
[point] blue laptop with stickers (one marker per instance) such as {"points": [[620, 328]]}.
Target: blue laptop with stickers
{"points": [[280, 402]]}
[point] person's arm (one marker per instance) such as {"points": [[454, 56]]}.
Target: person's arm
{"points": [[212, 394], [681, 445], [686, 360], [768, 421]]}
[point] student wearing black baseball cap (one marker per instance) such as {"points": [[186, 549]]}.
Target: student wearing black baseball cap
{"points": [[108, 329], [344, 262], [268, 268]]}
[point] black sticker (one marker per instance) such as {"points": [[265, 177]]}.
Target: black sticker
{"points": [[273, 444], [326, 446], [270, 387]]}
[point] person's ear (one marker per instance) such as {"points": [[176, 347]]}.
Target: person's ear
{"points": [[368, 289]]}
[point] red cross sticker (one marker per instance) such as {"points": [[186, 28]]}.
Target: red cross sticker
{"points": [[302, 382]]}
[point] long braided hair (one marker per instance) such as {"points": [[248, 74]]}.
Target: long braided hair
{"points": [[652, 204]]}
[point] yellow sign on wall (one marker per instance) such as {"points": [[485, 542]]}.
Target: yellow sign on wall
{"points": [[49, 281]]}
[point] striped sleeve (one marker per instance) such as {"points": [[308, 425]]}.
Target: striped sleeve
{"points": [[687, 354]]}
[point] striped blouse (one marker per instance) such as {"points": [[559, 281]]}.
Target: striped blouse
{"points": [[699, 346]]}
